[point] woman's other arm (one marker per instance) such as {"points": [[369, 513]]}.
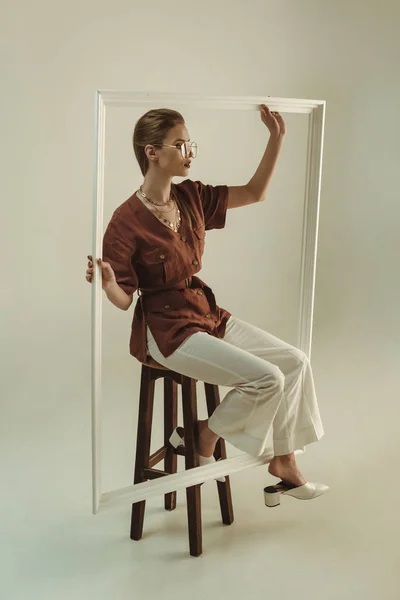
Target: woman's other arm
{"points": [[114, 292]]}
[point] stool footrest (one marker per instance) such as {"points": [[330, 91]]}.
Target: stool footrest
{"points": [[154, 473], [161, 454], [158, 456]]}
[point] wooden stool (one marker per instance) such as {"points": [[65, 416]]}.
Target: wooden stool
{"points": [[144, 463]]}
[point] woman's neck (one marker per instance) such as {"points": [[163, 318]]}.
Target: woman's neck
{"points": [[157, 187]]}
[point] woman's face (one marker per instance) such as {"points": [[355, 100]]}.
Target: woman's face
{"points": [[171, 160]]}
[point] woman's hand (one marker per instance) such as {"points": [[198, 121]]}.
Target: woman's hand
{"points": [[108, 275], [274, 121]]}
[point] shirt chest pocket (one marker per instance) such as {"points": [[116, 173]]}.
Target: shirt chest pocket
{"points": [[158, 264], [199, 237]]}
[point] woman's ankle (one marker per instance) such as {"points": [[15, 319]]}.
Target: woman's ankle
{"points": [[206, 433], [285, 458]]}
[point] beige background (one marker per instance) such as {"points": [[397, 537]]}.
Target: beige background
{"points": [[55, 55]]}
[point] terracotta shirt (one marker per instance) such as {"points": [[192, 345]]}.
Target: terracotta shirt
{"points": [[160, 264]]}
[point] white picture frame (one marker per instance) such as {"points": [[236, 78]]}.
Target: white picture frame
{"points": [[103, 98]]}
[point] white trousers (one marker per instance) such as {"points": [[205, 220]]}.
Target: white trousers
{"points": [[272, 409]]}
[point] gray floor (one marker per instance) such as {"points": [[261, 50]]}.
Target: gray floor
{"points": [[341, 545]]}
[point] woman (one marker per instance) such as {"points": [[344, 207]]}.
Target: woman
{"points": [[154, 245]]}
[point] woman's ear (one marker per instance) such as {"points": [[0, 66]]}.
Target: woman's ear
{"points": [[150, 152]]}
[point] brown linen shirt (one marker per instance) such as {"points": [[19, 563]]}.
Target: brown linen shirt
{"points": [[160, 264]]}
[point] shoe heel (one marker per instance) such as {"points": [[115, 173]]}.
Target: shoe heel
{"points": [[272, 497]]}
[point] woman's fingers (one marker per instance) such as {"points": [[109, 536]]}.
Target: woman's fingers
{"points": [[89, 270], [90, 261], [107, 272]]}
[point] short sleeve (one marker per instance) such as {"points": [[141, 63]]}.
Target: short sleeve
{"points": [[119, 248], [214, 201]]}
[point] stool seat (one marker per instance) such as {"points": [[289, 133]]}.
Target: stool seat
{"points": [[155, 365], [144, 462]]}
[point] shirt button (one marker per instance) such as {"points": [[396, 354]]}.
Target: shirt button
{"points": [[162, 256], [200, 292], [167, 306], [195, 262], [208, 316], [183, 238]]}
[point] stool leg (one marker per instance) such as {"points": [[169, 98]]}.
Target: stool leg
{"points": [[170, 422], [193, 493], [146, 402], [224, 487]]}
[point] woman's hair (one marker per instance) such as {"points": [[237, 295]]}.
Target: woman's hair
{"points": [[152, 128]]}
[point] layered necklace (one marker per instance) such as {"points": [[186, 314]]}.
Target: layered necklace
{"points": [[171, 200]]}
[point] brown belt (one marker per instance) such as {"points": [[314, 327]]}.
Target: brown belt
{"points": [[179, 286]]}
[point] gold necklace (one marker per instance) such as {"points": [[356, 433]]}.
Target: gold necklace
{"points": [[172, 225], [152, 201]]}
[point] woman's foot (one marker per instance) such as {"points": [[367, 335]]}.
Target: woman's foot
{"points": [[286, 469], [207, 439]]}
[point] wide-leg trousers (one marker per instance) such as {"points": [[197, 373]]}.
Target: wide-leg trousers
{"points": [[272, 407]]}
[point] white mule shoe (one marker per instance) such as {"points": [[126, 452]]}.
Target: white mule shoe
{"points": [[308, 491], [176, 440], [205, 460]]}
